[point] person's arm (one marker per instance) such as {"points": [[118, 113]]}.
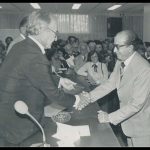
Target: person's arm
{"points": [[99, 92], [83, 70], [107, 86], [38, 73], [141, 91]]}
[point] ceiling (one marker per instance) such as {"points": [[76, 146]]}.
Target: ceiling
{"points": [[86, 8]]}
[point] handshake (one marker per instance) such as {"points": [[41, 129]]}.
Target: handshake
{"points": [[82, 100]]}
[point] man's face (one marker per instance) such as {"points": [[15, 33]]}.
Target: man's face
{"points": [[94, 58], [83, 50], [99, 47], [92, 46], [48, 34], [121, 49]]}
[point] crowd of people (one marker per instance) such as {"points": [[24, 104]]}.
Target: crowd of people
{"points": [[28, 68]]}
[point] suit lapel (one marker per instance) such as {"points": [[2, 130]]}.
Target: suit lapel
{"points": [[131, 68]]}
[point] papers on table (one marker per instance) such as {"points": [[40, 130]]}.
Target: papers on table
{"points": [[52, 110], [68, 134]]}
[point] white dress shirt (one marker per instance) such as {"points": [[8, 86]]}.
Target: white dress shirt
{"points": [[88, 70]]}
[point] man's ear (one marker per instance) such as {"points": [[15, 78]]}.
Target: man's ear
{"points": [[131, 48]]}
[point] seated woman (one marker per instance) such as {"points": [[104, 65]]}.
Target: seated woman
{"points": [[95, 71]]}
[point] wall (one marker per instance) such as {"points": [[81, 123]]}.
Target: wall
{"points": [[9, 24], [97, 23], [146, 24]]}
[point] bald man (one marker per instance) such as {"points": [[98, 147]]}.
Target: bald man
{"points": [[131, 78]]}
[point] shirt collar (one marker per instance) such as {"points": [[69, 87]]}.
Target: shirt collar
{"points": [[22, 36], [38, 43], [95, 64], [127, 61]]}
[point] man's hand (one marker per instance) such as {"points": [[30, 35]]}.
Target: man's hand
{"points": [[66, 84], [103, 117], [84, 100]]}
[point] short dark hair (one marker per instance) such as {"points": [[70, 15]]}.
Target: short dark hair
{"points": [[23, 22], [92, 53]]}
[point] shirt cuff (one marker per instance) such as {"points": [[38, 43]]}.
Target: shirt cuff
{"points": [[111, 119], [77, 100]]}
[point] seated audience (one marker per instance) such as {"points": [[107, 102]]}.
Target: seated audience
{"points": [[95, 71], [2, 52], [81, 59], [8, 40], [92, 46], [147, 53], [69, 57]]}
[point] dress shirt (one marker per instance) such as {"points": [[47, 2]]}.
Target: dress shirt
{"points": [[100, 76], [127, 61]]}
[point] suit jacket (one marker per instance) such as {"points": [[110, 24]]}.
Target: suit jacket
{"points": [[134, 95], [26, 75], [18, 39]]}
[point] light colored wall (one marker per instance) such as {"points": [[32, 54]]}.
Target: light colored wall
{"points": [[98, 25], [146, 24]]}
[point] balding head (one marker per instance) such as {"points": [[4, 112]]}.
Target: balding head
{"points": [[126, 42], [127, 37]]}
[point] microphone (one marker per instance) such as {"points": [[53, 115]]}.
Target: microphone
{"points": [[22, 108]]}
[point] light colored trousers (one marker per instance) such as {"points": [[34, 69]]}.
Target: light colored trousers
{"points": [[139, 141]]}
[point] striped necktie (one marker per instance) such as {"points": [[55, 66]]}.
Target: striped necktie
{"points": [[122, 70]]}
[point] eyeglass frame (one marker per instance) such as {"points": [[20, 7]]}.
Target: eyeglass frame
{"points": [[55, 32], [119, 46]]}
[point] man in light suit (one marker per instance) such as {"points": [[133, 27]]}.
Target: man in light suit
{"points": [[25, 75], [132, 81]]}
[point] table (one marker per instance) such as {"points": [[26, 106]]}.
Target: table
{"points": [[102, 135]]}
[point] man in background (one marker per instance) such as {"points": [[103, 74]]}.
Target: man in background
{"points": [[22, 29], [131, 78]]}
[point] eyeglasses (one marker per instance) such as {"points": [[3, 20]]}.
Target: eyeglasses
{"points": [[55, 32], [118, 46]]}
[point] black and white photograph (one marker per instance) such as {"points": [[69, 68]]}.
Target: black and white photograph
{"points": [[74, 74]]}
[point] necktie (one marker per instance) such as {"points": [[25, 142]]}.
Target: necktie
{"points": [[122, 70], [95, 67]]}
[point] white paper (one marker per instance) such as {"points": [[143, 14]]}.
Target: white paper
{"points": [[52, 110], [65, 144], [83, 130], [68, 134]]}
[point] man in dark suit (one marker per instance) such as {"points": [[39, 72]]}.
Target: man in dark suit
{"points": [[25, 75], [131, 78]]}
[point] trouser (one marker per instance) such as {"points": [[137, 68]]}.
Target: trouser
{"points": [[143, 141]]}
